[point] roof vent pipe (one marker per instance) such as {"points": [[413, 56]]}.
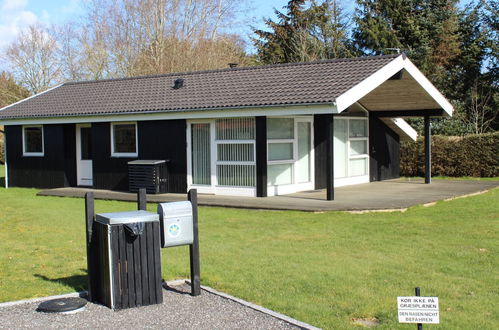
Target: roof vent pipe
{"points": [[178, 83]]}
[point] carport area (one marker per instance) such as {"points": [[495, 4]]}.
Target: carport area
{"points": [[395, 194]]}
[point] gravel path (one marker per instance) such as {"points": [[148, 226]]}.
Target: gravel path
{"points": [[178, 311]]}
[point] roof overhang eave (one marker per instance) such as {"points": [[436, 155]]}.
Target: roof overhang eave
{"points": [[286, 109], [367, 85]]}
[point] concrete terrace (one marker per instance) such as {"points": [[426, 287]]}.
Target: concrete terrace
{"points": [[383, 195]]}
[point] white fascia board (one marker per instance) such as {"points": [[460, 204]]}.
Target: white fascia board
{"points": [[367, 85], [428, 87], [403, 127], [30, 97], [202, 114]]}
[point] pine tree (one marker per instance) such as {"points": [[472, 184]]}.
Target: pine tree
{"points": [[427, 30], [474, 77], [319, 31]]}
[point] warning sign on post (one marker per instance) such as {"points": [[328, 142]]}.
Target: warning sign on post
{"points": [[418, 310]]}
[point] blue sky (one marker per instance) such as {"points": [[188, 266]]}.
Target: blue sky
{"points": [[18, 14]]}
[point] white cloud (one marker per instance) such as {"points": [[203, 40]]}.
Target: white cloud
{"points": [[14, 18], [14, 4], [72, 7]]}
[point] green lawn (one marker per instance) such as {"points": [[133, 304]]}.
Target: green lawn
{"points": [[321, 268]]}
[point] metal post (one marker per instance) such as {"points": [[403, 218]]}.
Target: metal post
{"points": [[194, 247], [142, 199], [427, 149], [418, 294], [89, 221]]}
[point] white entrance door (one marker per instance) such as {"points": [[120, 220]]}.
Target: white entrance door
{"points": [[84, 155]]}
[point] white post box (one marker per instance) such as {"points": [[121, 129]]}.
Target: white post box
{"points": [[176, 223]]}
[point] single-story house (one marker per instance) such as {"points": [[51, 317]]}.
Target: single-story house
{"points": [[252, 131]]}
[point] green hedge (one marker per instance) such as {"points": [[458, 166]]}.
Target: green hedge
{"points": [[472, 155]]}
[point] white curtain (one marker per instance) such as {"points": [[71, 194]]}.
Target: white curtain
{"points": [[201, 158]]}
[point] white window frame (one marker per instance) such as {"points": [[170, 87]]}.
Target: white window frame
{"points": [[214, 187], [216, 162], [357, 179], [125, 154], [359, 138], [33, 154], [233, 162], [294, 186]]}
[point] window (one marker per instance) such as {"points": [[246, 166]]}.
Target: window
{"points": [[124, 139], [33, 140], [288, 151], [350, 147], [235, 150]]}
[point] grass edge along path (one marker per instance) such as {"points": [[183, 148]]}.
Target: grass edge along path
{"points": [[324, 269]]}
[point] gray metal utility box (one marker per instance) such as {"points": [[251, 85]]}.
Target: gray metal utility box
{"points": [[149, 174], [176, 223], [127, 262]]}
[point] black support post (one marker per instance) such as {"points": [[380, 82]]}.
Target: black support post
{"points": [[142, 199], [329, 158], [261, 156], [89, 224], [427, 149], [418, 294], [194, 247]]}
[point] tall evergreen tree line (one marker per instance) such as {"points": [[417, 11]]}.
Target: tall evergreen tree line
{"points": [[455, 47]]}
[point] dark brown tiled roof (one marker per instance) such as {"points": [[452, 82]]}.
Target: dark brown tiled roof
{"points": [[284, 84]]}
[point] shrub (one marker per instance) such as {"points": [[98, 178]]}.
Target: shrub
{"points": [[471, 155]]}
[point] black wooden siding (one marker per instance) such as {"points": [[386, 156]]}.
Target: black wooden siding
{"points": [[161, 139], [57, 168], [166, 139], [108, 172], [320, 148], [261, 156], [384, 151]]}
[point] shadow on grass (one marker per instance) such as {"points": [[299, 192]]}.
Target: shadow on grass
{"points": [[2, 182], [77, 282]]}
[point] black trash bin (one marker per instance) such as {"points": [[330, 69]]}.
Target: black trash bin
{"points": [[126, 268]]}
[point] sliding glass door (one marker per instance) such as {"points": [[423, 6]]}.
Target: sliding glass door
{"points": [[222, 156]]}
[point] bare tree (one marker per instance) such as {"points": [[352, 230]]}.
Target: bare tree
{"points": [[33, 59], [480, 114], [10, 92], [158, 36], [69, 51]]}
